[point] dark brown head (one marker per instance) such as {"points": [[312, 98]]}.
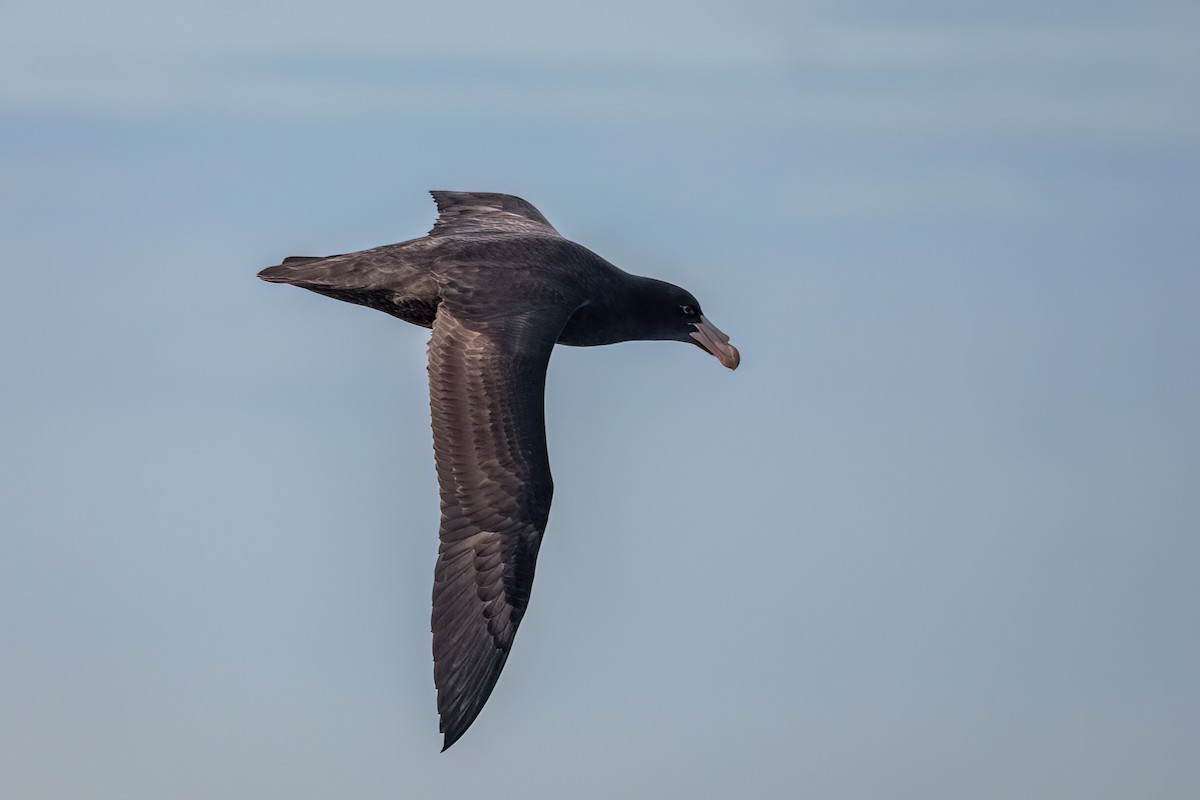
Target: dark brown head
{"points": [[665, 312]]}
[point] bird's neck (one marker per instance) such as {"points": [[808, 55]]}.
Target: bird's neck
{"points": [[611, 315]]}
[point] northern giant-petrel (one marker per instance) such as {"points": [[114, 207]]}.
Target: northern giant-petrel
{"points": [[499, 287]]}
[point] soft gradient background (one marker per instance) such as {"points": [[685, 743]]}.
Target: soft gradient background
{"points": [[937, 538]]}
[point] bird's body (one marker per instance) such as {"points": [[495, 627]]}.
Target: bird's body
{"points": [[499, 287]]}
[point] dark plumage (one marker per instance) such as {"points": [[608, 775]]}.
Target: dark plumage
{"points": [[499, 287]]}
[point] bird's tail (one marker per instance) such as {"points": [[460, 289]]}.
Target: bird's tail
{"points": [[292, 270]]}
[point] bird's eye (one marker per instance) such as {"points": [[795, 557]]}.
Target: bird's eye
{"points": [[688, 311]]}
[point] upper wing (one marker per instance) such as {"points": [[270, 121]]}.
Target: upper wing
{"points": [[468, 213], [486, 380]]}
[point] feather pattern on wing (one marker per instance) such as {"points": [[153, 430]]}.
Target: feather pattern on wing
{"points": [[486, 381]]}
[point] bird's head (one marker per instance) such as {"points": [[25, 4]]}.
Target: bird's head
{"points": [[667, 312]]}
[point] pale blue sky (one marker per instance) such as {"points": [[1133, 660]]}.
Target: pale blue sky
{"points": [[937, 538]]}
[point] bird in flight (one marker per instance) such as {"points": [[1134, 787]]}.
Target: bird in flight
{"points": [[499, 287]]}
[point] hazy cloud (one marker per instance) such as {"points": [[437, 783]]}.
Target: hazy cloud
{"points": [[809, 65]]}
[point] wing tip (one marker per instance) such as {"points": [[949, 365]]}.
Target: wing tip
{"points": [[476, 212], [457, 715], [453, 730]]}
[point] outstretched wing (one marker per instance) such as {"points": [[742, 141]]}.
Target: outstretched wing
{"points": [[487, 378], [480, 213]]}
